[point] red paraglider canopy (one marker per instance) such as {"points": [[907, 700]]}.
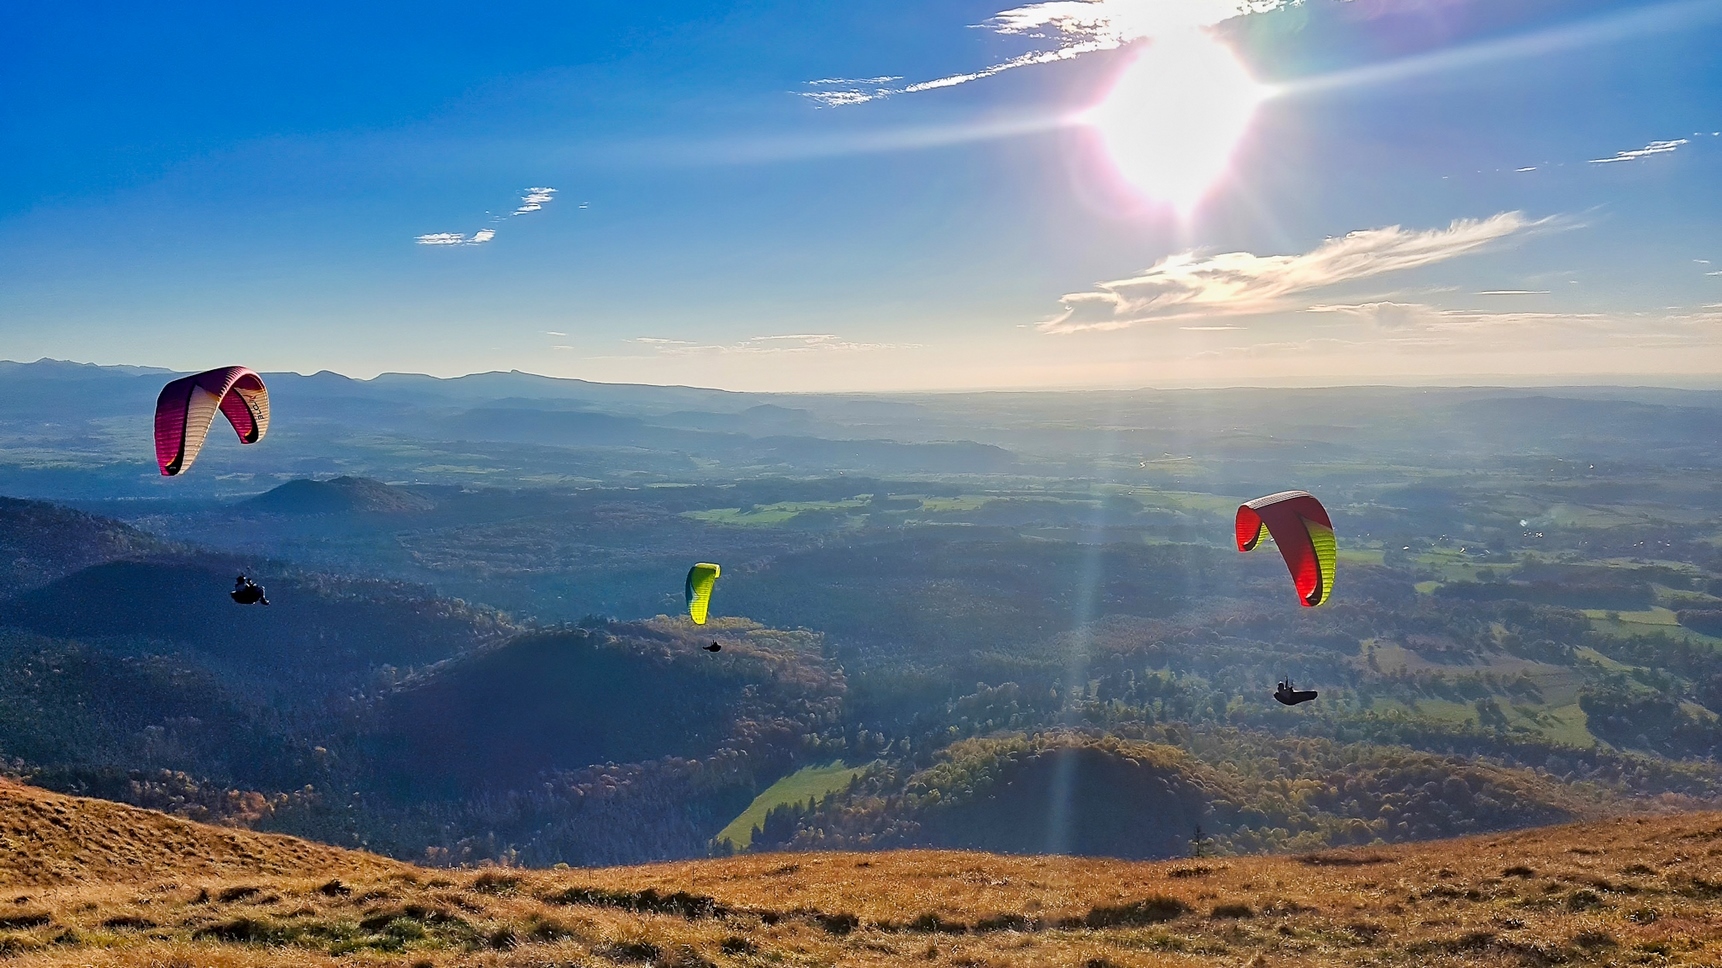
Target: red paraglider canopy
{"points": [[186, 410], [1300, 526]]}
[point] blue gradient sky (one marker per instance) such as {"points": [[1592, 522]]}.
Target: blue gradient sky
{"points": [[189, 184]]}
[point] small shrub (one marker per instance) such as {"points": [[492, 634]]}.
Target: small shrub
{"points": [[1150, 910], [1233, 911], [232, 894], [931, 922], [634, 950], [734, 945], [334, 889], [548, 931], [1519, 870], [684, 956], [1005, 922], [500, 885], [129, 922], [838, 924], [24, 919], [238, 931]]}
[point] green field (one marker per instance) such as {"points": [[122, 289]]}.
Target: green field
{"points": [[766, 515], [797, 787], [1651, 620]]}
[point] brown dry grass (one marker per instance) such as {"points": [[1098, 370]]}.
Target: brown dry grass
{"points": [[125, 887]]}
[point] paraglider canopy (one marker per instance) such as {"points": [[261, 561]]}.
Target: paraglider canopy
{"points": [[1300, 526], [701, 578], [186, 410], [714, 647]]}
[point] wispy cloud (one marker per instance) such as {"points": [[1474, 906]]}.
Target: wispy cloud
{"points": [[531, 200], [1191, 285], [1403, 317], [534, 200], [1066, 29], [788, 343], [1514, 292], [1654, 148], [456, 238]]}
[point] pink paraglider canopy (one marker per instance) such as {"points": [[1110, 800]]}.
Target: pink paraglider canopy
{"points": [[186, 410]]}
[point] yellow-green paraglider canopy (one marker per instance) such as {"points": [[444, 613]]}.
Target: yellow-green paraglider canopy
{"points": [[701, 578]]}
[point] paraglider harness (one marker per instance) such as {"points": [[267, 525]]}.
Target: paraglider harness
{"points": [[247, 592], [1291, 696]]}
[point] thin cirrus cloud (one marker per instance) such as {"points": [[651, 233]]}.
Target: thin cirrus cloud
{"points": [[455, 238], [1190, 285], [1072, 27], [1406, 317], [788, 343], [1654, 148], [535, 199], [532, 200]]}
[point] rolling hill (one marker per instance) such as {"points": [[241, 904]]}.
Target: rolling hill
{"points": [[101, 884], [41, 542], [340, 495]]}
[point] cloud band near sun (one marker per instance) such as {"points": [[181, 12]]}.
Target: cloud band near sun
{"points": [[1071, 28], [1191, 285]]}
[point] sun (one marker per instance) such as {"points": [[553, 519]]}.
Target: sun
{"points": [[1175, 115]]}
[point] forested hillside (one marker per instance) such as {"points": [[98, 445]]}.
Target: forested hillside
{"points": [[470, 655]]}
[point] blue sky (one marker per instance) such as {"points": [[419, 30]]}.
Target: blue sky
{"points": [[1395, 190]]}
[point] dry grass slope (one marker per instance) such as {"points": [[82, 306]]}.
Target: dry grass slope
{"points": [[91, 883]]}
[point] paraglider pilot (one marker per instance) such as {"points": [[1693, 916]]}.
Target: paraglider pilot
{"points": [[247, 592]]}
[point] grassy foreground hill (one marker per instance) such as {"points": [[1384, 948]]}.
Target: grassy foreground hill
{"points": [[95, 883]]}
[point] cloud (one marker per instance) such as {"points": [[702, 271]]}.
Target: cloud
{"points": [[1190, 285], [1404, 317], [534, 200], [1071, 28], [455, 238], [1514, 292], [789, 343], [1654, 148]]}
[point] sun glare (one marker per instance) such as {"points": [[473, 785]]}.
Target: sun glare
{"points": [[1175, 115]]}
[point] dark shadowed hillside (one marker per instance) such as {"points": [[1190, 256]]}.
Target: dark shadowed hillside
{"points": [[40, 542], [314, 626], [341, 495], [631, 692]]}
